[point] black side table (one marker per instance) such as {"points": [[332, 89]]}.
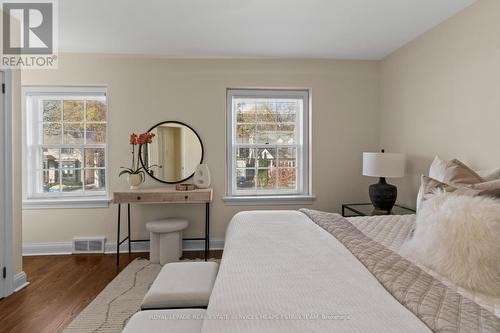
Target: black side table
{"points": [[367, 209]]}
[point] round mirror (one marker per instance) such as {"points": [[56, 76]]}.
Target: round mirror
{"points": [[175, 152]]}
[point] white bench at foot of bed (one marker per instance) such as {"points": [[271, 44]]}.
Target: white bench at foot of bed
{"points": [[166, 321], [182, 285]]}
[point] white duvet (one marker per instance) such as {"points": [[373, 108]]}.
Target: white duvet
{"points": [[282, 273]]}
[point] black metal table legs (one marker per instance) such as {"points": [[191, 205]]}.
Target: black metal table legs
{"points": [[118, 242], [207, 230], [118, 236], [130, 241], [128, 221]]}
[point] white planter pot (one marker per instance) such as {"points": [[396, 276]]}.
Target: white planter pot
{"points": [[134, 180], [202, 176]]}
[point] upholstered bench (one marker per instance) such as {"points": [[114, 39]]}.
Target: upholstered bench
{"points": [[182, 285], [166, 321], [165, 240]]}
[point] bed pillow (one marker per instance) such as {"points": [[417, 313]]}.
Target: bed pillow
{"points": [[437, 169], [429, 186], [453, 172], [489, 175], [491, 188], [458, 237]]}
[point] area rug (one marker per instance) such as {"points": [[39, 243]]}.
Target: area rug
{"points": [[112, 308]]}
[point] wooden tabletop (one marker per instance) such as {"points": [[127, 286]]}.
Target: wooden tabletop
{"points": [[163, 194]]}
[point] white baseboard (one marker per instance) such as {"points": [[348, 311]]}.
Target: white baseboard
{"points": [[65, 248], [20, 281], [33, 249]]}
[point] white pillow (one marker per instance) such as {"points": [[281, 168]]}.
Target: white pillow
{"points": [[451, 172], [420, 196], [458, 236], [438, 169], [489, 175]]}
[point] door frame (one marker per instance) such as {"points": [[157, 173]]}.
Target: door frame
{"points": [[6, 233]]}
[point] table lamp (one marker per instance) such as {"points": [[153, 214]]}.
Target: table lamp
{"points": [[383, 195]]}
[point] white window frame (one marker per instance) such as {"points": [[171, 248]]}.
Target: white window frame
{"points": [[32, 198], [303, 192]]}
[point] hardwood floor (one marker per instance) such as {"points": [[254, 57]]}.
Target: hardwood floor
{"points": [[60, 287]]}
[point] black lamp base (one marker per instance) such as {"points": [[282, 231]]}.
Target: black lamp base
{"points": [[383, 195]]}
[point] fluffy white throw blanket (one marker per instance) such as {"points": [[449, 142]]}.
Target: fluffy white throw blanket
{"points": [[459, 237]]}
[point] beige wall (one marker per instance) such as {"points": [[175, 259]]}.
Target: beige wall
{"points": [[145, 90], [440, 94]]}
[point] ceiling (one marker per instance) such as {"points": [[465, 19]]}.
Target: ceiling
{"points": [[344, 29]]}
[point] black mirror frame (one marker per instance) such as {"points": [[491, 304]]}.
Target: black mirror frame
{"points": [[179, 123]]}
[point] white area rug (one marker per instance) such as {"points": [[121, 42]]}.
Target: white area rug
{"points": [[111, 309], [122, 297]]}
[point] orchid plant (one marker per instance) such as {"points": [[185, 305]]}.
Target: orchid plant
{"points": [[137, 140]]}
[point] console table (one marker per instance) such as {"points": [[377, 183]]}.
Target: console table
{"points": [[161, 195]]}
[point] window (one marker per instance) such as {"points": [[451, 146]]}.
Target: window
{"points": [[267, 143], [65, 144]]}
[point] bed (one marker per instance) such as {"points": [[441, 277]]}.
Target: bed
{"points": [[308, 271]]}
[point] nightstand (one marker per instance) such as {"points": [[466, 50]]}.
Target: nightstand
{"points": [[367, 209]]}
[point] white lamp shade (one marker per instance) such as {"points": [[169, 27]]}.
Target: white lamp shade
{"points": [[384, 165]]}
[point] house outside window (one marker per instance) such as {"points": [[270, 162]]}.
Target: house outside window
{"points": [[267, 144], [65, 146]]}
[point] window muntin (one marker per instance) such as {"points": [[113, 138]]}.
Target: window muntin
{"points": [[267, 142], [66, 143]]}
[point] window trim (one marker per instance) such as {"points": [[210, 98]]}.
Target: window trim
{"points": [[304, 194], [61, 200]]}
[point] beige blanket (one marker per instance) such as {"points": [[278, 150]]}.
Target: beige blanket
{"points": [[438, 306]]}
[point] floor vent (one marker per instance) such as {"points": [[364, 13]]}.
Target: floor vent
{"points": [[88, 245]]}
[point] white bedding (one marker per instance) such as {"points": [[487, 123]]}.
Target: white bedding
{"points": [[279, 267]]}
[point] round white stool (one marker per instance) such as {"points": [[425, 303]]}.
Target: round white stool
{"points": [[165, 240]]}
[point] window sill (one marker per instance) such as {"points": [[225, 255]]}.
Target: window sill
{"points": [[269, 200], [66, 203]]}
